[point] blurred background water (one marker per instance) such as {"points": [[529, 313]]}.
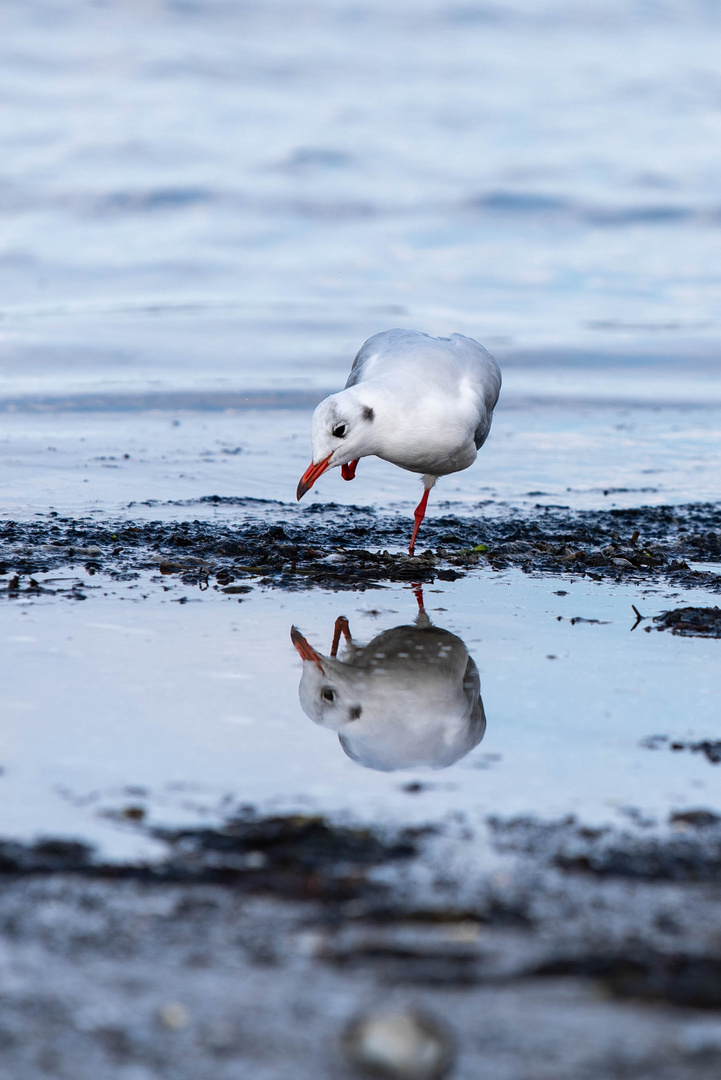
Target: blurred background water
{"points": [[256, 185]]}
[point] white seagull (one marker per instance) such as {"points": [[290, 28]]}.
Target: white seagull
{"points": [[410, 698], [423, 403]]}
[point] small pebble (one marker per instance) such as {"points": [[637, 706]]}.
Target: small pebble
{"points": [[174, 1016], [399, 1046]]}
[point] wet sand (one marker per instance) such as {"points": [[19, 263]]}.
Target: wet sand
{"points": [[587, 954]]}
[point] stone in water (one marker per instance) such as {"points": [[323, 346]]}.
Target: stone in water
{"points": [[399, 1046]]}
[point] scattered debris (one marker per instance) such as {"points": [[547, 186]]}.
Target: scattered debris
{"points": [[691, 621], [710, 748], [298, 549]]}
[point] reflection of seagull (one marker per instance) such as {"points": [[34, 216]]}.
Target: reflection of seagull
{"points": [[420, 402], [409, 698]]}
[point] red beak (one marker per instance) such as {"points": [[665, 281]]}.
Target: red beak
{"points": [[310, 476], [305, 651]]}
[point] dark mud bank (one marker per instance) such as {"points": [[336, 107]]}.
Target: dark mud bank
{"points": [[569, 894], [264, 937], [339, 548], [298, 857]]}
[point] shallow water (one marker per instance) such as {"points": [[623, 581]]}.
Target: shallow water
{"points": [[583, 455], [533, 172], [189, 710]]}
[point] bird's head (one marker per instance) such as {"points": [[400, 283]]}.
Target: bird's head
{"points": [[341, 431], [330, 691]]}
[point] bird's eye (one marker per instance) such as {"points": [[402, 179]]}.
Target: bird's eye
{"points": [[328, 694], [339, 431]]}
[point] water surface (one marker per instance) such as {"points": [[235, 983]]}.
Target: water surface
{"points": [[191, 710]]}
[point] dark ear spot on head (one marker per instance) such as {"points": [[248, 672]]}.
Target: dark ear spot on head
{"points": [[354, 713], [368, 413]]}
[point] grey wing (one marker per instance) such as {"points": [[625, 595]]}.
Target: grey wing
{"points": [[484, 424], [476, 712], [362, 357], [488, 374], [379, 345], [481, 433]]}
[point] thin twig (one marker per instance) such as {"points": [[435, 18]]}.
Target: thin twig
{"points": [[639, 617]]}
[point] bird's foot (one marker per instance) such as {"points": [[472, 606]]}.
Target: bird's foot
{"points": [[348, 471], [341, 627]]}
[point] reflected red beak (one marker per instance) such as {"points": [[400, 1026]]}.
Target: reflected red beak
{"points": [[305, 651], [310, 476]]}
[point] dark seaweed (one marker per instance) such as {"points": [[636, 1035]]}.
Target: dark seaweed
{"points": [[296, 856], [691, 621], [691, 854], [343, 548]]}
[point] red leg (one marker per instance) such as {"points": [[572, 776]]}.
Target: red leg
{"points": [[419, 513], [348, 471], [418, 593], [341, 627]]}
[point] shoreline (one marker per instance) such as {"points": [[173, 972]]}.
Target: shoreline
{"points": [[327, 548]]}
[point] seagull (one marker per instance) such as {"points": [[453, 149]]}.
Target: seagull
{"points": [[423, 403], [408, 699]]}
